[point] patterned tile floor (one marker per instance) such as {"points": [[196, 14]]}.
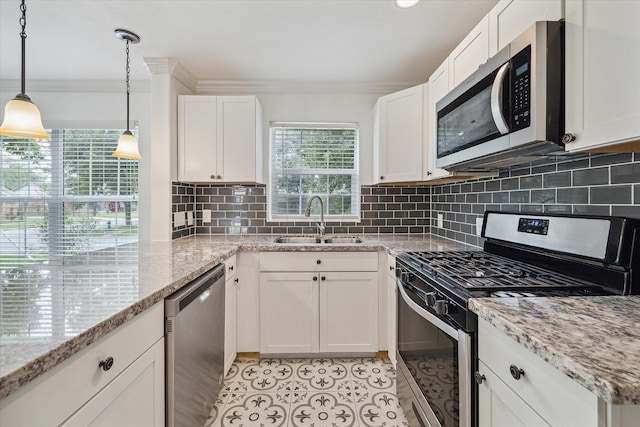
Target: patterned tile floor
{"points": [[331, 392]]}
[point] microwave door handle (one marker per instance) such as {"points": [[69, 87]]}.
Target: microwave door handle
{"points": [[496, 100]]}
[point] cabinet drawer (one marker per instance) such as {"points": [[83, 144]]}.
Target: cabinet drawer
{"points": [[230, 269], [54, 396], [552, 394], [319, 261]]}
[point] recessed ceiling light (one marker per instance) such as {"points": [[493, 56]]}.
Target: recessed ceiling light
{"points": [[406, 3]]}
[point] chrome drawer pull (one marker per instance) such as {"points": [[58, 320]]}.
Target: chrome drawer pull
{"points": [[106, 364]]}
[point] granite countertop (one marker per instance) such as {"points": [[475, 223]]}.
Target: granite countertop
{"points": [[69, 304], [593, 340]]}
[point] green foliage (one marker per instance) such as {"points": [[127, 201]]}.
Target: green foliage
{"points": [[77, 233]]}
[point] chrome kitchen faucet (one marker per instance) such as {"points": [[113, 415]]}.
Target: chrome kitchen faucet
{"points": [[308, 213]]}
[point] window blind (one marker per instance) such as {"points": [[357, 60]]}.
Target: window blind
{"points": [[314, 159], [66, 196]]}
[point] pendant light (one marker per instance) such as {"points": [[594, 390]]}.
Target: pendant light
{"points": [[127, 144], [21, 116]]}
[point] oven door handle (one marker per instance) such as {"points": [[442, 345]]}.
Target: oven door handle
{"points": [[443, 326]]}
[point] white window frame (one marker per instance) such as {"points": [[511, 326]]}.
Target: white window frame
{"points": [[354, 216]]}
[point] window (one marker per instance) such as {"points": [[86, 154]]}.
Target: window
{"points": [[64, 196], [314, 159]]}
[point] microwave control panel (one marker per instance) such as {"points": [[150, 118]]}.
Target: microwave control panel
{"points": [[521, 89]]}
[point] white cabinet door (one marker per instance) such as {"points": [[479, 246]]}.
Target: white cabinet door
{"points": [[603, 72], [501, 407], [248, 303], [230, 322], [509, 18], [392, 309], [236, 136], [438, 87], [197, 156], [472, 52], [348, 312], [398, 143], [289, 313], [219, 139], [133, 398]]}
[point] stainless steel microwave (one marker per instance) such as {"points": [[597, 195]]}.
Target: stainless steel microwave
{"points": [[509, 111]]}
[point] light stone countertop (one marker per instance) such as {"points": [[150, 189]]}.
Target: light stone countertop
{"points": [[69, 304], [593, 340]]}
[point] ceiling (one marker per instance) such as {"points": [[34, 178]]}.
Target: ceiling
{"points": [[346, 41]]}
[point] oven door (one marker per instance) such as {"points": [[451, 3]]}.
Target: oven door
{"points": [[434, 364]]}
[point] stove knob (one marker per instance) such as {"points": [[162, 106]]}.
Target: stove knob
{"points": [[431, 299], [441, 307], [407, 277]]}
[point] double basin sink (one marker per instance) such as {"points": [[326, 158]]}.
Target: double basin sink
{"points": [[328, 240]]}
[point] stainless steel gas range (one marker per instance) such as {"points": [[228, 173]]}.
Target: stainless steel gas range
{"points": [[524, 255]]}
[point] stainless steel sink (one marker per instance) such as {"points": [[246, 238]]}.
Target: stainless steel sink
{"points": [[297, 239], [342, 239], [317, 240]]}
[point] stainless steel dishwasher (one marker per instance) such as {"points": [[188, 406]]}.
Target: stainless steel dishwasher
{"points": [[195, 348]]}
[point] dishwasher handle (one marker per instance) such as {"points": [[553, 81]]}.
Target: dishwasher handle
{"points": [[180, 299]]}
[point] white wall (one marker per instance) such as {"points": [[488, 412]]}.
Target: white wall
{"points": [[330, 107]]}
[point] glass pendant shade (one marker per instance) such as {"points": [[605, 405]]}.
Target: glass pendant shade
{"points": [[22, 119], [406, 3], [127, 147]]}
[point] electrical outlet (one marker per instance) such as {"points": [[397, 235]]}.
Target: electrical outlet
{"points": [[206, 216], [190, 218], [178, 219], [479, 222], [440, 221]]}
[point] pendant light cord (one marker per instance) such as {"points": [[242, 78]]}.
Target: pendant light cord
{"points": [[128, 86], [23, 36]]}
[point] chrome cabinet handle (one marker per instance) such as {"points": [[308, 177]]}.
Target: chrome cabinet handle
{"points": [[106, 364], [496, 100], [479, 377], [516, 372]]}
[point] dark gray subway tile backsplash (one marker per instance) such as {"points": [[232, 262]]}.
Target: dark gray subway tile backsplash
{"points": [[597, 184]]}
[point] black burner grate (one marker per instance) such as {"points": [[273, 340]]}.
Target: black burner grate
{"points": [[487, 272]]}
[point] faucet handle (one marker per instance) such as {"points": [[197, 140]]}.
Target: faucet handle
{"points": [[320, 227]]}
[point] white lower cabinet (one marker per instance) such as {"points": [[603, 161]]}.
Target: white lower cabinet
{"points": [[289, 313], [133, 398], [349, 312], [230, 312], [305, 309], [519, 388], [392, 308], [80, 392]]}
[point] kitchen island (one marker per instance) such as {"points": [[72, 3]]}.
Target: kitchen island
{"points": [[150, 272], [571, 357]]}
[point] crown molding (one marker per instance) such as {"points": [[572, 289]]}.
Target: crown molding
{"points": [[240, 87], [173, 68], [76, 86]]}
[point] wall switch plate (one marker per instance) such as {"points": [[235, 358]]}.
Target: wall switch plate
{"points": [[190, 218], [206, 216], [479, 222], [178, 219], [440, 221]]}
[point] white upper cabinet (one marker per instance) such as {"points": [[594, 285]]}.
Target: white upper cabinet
{"points": [[438, 87], [470, 54], [509, 18], [398, 136], [603, 73], [219, 139]]}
